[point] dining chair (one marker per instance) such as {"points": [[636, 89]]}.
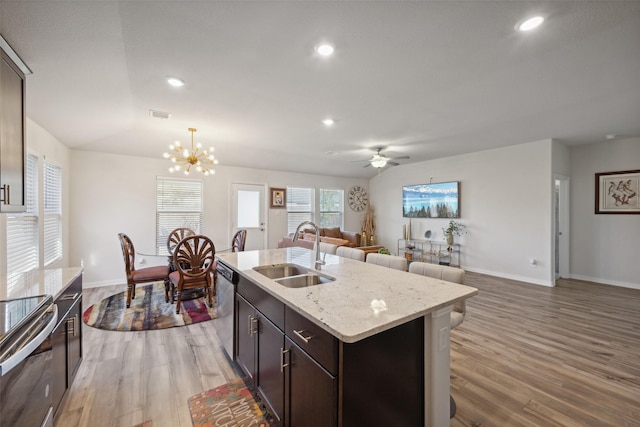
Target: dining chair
{"points": [[391, 261], [352, 253], [193, 259], [175, 236], [140, 275], [238, 241]]}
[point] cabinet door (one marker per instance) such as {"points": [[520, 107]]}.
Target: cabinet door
{"points": [[11, 137], [311, 391], [246, 320], [270, 373], [74, 340]]}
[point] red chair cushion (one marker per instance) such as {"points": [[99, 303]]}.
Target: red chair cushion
{"points": [[151, 273]]}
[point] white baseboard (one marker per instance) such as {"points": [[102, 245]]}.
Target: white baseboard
{"points": [[512, 277], [606, 281], [101, 283]]}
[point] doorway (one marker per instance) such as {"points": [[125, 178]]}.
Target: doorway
{"points": [[249, 214], [561, 226]]}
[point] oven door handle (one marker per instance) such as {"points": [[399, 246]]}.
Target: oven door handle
{"points": [[12, 361]]}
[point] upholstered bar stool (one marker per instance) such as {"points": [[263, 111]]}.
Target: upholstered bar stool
{"points": [[391, 261], [352, 253], [449, 274]]}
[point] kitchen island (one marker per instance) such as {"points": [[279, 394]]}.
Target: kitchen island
{"points": [[386, 343]]}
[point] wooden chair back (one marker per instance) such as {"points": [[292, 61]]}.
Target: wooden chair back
{"points": [[193, 258], [238, 241], [176, 235]]}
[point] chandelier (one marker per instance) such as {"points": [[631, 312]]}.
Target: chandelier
{"points": [[201, 160]]}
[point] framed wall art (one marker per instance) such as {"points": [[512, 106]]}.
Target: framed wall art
{"points": [[437, 200], [617, 192], [278, 197]]}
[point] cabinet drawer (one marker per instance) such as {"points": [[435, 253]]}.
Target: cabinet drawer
{"points": [[317, 342], [268, 305]]}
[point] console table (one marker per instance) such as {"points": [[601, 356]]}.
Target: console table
{"points": [[430, 251]]}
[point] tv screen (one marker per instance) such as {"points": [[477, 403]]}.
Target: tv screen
{"points": [[438, 200]]}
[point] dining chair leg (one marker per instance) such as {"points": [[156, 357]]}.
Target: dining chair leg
{"points": [[167, 286], [179, 301], [130, 293], [209, 296]]}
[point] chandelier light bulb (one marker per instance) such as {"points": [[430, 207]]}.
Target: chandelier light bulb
{"points": [[165, 155]]}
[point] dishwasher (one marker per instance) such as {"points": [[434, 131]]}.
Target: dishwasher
{"points": [[225, 311]]}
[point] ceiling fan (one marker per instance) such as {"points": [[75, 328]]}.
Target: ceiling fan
{"points": [[379, 160]]}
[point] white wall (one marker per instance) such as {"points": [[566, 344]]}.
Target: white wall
{"points": [[113, 194], [505, 200], [604, 248]]}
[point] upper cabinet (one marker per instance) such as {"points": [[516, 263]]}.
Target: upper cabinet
{"points": [[12, 130]]}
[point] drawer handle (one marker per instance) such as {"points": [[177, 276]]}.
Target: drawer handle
{"points": [[73, 321], [282, 364], [68, 297], [302, 337], [5, 194]]}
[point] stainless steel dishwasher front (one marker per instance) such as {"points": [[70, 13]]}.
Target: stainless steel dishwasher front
{"points": [[225, 312]]}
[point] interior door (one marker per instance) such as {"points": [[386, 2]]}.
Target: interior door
{"points": [[249, 214]]}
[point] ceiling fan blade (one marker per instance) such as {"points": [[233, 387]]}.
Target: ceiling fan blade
{"points": [[392, 163], [400, 158], [367, 165]]}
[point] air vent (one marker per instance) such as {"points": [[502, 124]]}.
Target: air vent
{"points": [[159, 114]]}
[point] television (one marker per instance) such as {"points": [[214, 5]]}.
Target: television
{"points": [[437, 200]]}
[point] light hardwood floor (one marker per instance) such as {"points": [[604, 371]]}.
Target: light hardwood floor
{"points": [[526, 355]]}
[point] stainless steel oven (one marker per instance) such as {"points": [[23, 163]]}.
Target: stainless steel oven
{"points": [[225, 311], [26, 354]]}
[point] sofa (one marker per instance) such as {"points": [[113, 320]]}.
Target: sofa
{"points": [[333, 236]]}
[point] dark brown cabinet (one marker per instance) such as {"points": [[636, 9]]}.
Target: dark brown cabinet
{"points": [[67, 341], [12, 134], [311, 392], [309, 378]]}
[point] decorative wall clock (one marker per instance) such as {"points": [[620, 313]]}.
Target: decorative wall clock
{"points": [[358, 198]]}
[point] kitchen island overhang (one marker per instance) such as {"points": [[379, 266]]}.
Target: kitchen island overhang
{"points": [[365, 300]]}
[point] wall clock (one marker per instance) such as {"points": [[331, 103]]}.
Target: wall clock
{"points": [[358, 198]]}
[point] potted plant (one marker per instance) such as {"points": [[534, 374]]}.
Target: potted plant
{"points": [[454, 229]]}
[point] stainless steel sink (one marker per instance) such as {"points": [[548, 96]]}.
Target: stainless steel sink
{"points": [[293, 275], [278, 271], [303, 280]]}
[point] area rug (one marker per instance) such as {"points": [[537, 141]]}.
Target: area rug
{"points": [[148, 311], [231, 404]]}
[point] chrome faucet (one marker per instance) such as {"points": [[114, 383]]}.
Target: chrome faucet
{"points": [[318, 262]]}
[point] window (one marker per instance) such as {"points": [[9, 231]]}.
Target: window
{"points": [[178, 204], [52, 209], [22, 229], [331, 208], [300, 206]]}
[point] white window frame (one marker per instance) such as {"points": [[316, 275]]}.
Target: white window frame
{"points": [[339, 211], [172, 213], [300, 206], [52, 212]]}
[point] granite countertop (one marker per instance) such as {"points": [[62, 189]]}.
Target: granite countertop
{"points": [[365, 299], [40, 282]]}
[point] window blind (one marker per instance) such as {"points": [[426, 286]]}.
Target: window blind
{"points": [[22, 229], [52, 209], [300, 206], [178, 204]]}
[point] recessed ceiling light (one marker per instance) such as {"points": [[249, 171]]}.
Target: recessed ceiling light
{"points": [[611, 136], [325, 49], [328, 122], [530, 24], [173, 81]]}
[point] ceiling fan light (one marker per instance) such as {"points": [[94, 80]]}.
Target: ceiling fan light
{"points": [[379, 163]]}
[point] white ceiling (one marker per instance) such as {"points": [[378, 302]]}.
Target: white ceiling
{"points": [[423, 79]]}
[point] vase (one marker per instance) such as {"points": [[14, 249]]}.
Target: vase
{"points": [[449, 238]]}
